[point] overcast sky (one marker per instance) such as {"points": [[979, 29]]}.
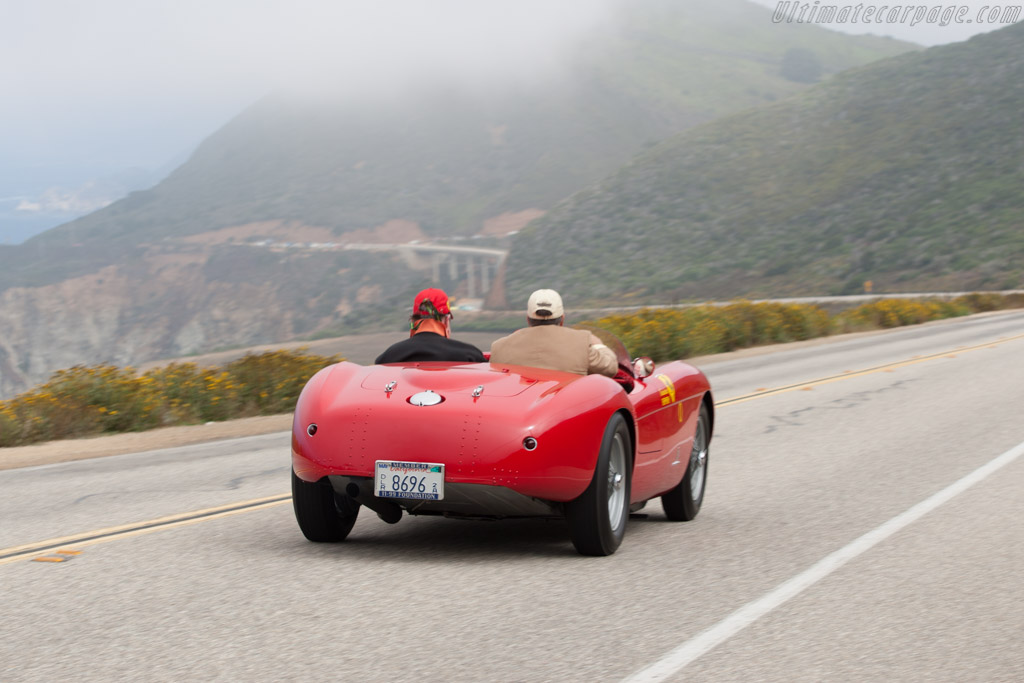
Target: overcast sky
{"points": [[70, 68], [113, 83]]}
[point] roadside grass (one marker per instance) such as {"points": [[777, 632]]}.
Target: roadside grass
{"points": [[103, 399], [665, 334]]}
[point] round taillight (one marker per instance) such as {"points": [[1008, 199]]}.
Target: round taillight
{"points": [[311, 429], [530, 443]]}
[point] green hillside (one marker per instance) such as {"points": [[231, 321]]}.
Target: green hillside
{"points": [[908, 173], [450, 159]]}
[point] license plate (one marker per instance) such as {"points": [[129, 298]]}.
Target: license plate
{"points": [[417, 480]]}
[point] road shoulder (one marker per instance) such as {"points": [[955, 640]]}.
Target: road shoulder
{"points": [[136, 442]]}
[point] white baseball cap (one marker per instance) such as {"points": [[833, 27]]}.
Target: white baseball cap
{"points": [[544, 304]]}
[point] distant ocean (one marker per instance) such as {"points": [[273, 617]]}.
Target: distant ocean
{"points": [[17, 226]]}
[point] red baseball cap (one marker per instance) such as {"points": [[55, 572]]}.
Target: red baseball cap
{"points": [[437, 299]]}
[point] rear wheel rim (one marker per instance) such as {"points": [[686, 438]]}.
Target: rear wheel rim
{"points": [[698, 462], [616, 482]]}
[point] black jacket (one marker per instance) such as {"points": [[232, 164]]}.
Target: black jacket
{"points": [[430, 346]]}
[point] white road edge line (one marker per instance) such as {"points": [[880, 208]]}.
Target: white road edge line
{"points": [[692, 649]]}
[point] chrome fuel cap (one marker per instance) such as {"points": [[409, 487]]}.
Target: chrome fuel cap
{"points": [[426, 398]]}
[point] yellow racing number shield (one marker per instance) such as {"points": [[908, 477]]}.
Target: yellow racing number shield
{"points": [[668, 394]]}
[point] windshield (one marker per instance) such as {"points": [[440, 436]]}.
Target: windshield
{"points": [[613, 343]]}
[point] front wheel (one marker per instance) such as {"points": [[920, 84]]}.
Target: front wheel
{"points": [[683, 502], [597, 519], [323, 515]]}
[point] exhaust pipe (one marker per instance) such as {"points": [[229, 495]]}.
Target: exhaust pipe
{"points": [[386, 510]]}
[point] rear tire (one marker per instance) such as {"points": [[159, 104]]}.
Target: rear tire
{"points": [[323, 515], [597, 519], [683, 502]]}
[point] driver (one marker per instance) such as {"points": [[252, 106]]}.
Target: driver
{"points": [[547, 343], [430, 334]]}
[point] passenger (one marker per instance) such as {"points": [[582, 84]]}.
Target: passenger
{"points": [[429, 336], [546, 343]]}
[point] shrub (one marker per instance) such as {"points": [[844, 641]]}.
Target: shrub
{"points": [[79, 401], [665, 334], [983, 302], [82, 401], [700, 330], [270, 383], [887, 313]]}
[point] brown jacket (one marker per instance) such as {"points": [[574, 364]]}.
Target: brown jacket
{"points": [[556, 348]]}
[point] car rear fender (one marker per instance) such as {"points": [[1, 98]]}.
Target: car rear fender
{"points": [[309, 405], [569, 438]]}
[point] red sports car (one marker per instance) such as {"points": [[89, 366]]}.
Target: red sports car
{"points": [[495, 441]]}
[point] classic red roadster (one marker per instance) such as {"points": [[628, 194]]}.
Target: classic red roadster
{"points": [[485, 440]]}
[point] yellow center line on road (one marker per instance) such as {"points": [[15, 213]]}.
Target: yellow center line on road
{"points": [[16, 553], [137, 529], [888, 367]]}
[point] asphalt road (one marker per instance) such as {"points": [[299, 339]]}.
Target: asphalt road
{"points": [[867, 526]]}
